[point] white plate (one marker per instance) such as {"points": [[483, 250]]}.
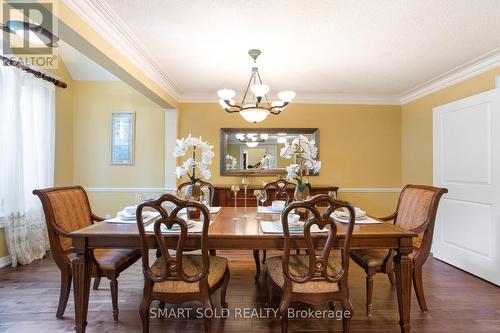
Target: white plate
{"points": [[129, 217], [346, 216]]}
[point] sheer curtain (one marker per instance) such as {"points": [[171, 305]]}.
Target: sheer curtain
{"points": [[27, 131]]}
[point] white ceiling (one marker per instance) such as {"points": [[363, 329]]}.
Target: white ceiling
{"points": [[363, 48], [80, 67]]}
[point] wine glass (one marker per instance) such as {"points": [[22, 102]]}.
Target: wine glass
{"points": [[245, 183], [139, 197], [235, 189], [333, 194], [263, 197]]}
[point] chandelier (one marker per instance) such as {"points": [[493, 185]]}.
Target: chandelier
{"points": [[258, 107]]}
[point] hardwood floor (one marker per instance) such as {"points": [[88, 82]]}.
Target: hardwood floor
{"points": [[458, 302]]}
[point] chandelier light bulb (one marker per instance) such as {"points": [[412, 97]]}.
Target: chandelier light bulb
{"points": [[286, 96], [260, 90], [226, 94]]}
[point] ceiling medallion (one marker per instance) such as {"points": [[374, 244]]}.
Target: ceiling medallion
{"points": [[255, 109]]}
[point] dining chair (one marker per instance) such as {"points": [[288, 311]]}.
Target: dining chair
{"points": [[180, 277], [312, 278], [416, 211], [68, 209], [203, 185], [282, 189]]}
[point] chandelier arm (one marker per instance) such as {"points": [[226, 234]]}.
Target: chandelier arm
{"points": [[260, 80], [274, 109], [233, 108], [248, 87]]}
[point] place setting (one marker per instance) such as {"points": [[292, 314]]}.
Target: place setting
{"points": [[343, 216]]}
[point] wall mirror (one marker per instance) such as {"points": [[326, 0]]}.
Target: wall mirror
{"points": [[256, 152]]}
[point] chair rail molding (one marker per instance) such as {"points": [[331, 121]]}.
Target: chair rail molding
{"points": [[173, 189]]}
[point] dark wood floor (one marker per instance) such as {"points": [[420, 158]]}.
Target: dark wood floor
{"points": [[458, 302]]}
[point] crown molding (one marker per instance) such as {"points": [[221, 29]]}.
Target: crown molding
{"points": [[102, 18], [99, 15], [307, 99], [460, 73]]}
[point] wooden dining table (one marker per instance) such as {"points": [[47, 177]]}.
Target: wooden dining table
{"points": [[239, 229]]}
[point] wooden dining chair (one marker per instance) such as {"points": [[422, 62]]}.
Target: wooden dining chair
{"points": [[281, 191], [203, 185], [312, 278], [180, 277], [68, 209], [416, 211]]}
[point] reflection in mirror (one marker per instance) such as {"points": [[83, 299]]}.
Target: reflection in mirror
{"points": [[257, 151]]}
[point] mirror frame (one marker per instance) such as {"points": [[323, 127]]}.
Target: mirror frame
{"points": [[288, 130]]}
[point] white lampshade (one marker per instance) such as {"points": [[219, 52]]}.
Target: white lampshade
{"points": [[286, 95], [259, 90], [226, 94], [240, 136], [264, 136], [254, 115], [252, 144], [224, 104]]}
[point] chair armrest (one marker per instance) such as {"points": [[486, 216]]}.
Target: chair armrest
{"points": [[391, 217], [96, 218]]}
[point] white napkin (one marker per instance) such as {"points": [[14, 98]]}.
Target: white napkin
{"points": [[271, 227]]}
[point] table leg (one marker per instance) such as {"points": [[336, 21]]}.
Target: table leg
{"points": [[403, 267], [81, 267]]}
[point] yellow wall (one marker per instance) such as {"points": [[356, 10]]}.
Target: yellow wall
{"points": [[359, 144], [93, 104], [416, 125], [63, 169]]}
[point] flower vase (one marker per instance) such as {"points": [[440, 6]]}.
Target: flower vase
{"points": [[193, 193], [301, 193]]}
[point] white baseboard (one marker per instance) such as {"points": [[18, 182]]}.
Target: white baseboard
{"points": [[5, 261]]}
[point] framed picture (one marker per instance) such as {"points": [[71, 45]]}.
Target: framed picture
{"points": [[122, 138]]}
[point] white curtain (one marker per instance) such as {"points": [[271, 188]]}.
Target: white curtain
{"points": [[27, 131]]}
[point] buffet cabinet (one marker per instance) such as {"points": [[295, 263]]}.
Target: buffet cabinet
{"points": [[225, 197]]}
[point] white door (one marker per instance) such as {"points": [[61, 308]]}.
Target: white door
{"points": [[467, 161]]}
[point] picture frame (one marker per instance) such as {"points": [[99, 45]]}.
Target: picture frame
{"points": [[122, 138]]}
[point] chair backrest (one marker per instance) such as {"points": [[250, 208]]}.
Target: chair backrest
{"points": [[173, 264], [318, 264], [66, 209], [417, 208], [203, 185], [282, 189]]}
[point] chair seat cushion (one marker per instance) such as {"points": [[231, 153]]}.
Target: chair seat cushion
{"points": [[299, 266], [191, 264], [372, 257], [113, 259]]}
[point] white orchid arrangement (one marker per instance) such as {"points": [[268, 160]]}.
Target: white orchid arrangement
{"points": [[231, 162], [181, 148], [267, 162], [306, 152]]}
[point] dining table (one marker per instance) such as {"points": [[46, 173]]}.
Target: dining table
{"points": [[238, 228]]}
